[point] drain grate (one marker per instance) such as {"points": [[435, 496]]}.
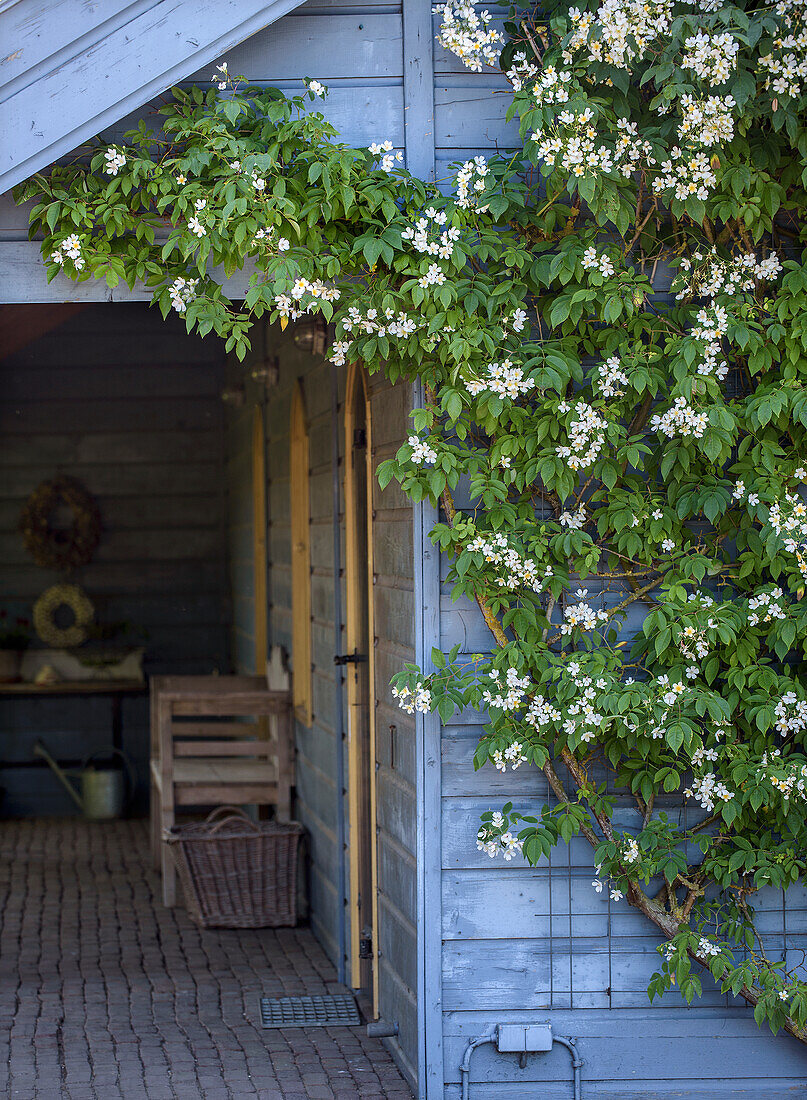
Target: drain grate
{"points": [[337, 1011]]}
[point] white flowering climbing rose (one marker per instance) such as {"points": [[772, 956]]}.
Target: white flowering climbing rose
{"points": [[609, 324]]}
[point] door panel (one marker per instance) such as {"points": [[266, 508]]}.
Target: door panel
{"points": [[359, 665]]}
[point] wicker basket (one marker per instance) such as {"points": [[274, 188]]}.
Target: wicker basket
{"points": [[238, 873]]}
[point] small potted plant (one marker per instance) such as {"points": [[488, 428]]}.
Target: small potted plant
{"points": [[14, 639]]}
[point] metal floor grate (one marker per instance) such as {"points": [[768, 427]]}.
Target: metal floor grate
{"points": [[337, 1011]]}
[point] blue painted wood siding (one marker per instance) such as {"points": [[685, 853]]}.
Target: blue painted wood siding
{"points": [[536, 944]]}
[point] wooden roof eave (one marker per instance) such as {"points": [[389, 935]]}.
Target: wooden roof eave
{"points": [[72, 69]]}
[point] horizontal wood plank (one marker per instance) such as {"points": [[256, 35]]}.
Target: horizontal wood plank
{"points": [[241, 794]]}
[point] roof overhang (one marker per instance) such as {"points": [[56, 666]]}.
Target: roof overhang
{"points": [[74, 67]]}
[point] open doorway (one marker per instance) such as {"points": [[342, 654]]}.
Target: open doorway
{"points": [[128, 409]]}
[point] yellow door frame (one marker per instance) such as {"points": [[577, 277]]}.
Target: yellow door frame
{"points": [[300, 558], [259, 558], [358, 561]]}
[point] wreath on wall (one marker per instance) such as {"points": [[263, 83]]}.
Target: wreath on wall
{"points": [[47, 608], [58, 548]]}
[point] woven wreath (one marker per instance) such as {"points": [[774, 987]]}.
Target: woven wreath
{"points": [[45, 611], [54, 548]]}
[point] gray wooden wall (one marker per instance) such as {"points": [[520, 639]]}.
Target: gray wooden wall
{"points": [[129, 404], [318, 784]]}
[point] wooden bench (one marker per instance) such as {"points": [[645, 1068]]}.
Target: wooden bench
{"points": [[202, 755]]}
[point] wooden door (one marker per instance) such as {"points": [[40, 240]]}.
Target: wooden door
{"points": [[359, 678]]}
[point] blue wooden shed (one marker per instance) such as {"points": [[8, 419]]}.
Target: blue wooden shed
{"points": [[310, 555]]}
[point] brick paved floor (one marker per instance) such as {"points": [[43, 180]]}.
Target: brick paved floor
{"points": [[106, 995]]}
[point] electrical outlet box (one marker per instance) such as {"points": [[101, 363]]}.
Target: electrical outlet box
{"points": [[524, 1038]]}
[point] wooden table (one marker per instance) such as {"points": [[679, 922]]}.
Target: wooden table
{"points": [[115, 689]]}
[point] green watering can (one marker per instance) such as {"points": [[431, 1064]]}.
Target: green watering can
{"points": [[105, 791]]}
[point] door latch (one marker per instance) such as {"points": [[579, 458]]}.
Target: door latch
{"points": [[353, 658]]}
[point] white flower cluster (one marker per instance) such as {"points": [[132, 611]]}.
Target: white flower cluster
{"points": [[468, 35], [753, 498], [494, 839], [686, 173], [671, 693], [115, 160], [194, 224], [693, 643], [182, 292], [611, 377], [790, 781], [575, 521], [503, 379], [571, 144], [592, 260], [291, 305], [517, 320], [221, 76], [615, 894], [707, 275], [766, 607], [316, 88], [471, 182], [510, 695], [654, 725], [706, 947], [383, 149], [521, 72], [434, 276], [586, 436], [708, 121], [266, 239], [422, 453], [624, 30], [541, 712], [680, 419], [581, 616], [791, 714], [785, 68], [512, 755], [553, 86], [419, 700], [713, 323], [702, 754], [708, 790], [631, 852], [788, 518], [386, 324], [427, 234], [583, 718], [337, 353], [711, 57], [514, 571], [70, 248]]}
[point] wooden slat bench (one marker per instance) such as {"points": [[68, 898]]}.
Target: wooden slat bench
{"points": [[199, 757]]}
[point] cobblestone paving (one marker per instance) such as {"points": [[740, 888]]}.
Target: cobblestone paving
{"points": [[106, 995]]}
